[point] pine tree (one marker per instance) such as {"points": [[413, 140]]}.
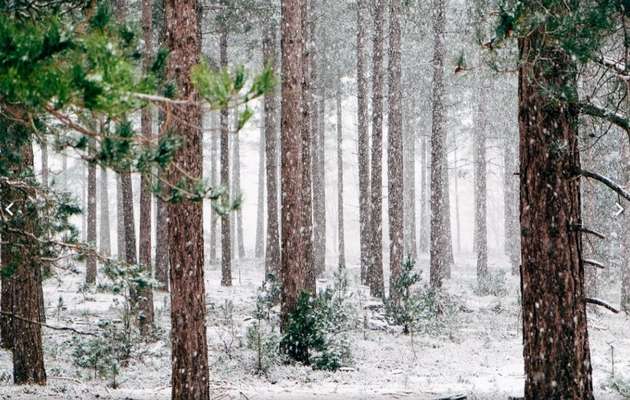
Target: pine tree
{"points": [[226, 237]]}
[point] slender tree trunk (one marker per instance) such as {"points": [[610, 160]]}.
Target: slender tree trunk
{"points": [[440, 220], [293, 269], [84, 201], [236, 192], [226, 242], [189, 353], [272, 252], [120, 219], [21, 288], [340, 224], [363, 143], [409, 183], [145, 294], [375, 273], [90, 264], [424, 206], [481, 229], [557, 366], [214, 155], [104, 236], [319, 182], [308, 132], [625, 273], [260, 206], [395, 180]]}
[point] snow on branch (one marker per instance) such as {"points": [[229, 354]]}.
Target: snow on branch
{"points": [[594, 263], [606, 181], [613, 117], [601, 303], [55, 328]]}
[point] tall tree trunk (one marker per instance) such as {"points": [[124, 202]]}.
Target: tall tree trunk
{"points": [[226, 242], [214, 155], [21, 296], [424, 206], [120, 219], [552, 274], [479, 143], [363, 142], [90, 263], [145, 294], [308, 132], [395, 192], [625, 272], [272, 252], [319, 181], [409, 181], [440, 231], [236, 187], [104, 236], [293, 269], [84, 201], [375, 273], [340, 225], [189, 354], [260, 205]]}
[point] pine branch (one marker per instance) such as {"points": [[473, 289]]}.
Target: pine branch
{"points": [[55, 328], [613, 117], [594, 263]]}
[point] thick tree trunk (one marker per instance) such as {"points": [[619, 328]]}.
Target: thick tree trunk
{"points": [[375, 273], [260, 205], [272, 252], [308, 132], [340, 224], [90, 263], [293, 269], [226, 242], [440, 219], [189, 353], [557, 366], [479, 143], [145, 294], [395, 175], [21, 289], [363, 142], [104, 236]]}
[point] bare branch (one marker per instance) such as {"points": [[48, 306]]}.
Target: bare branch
{"points": [[594, 263], [601, 303], [606, 181], [583, 229], [55, 328], [613, 117]]}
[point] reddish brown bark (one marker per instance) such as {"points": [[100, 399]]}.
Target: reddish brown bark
{"points": [[555, 336], [189, 355]]}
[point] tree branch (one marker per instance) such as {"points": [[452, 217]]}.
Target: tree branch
{"points": [[601, 303], [56, 328], [594, 263], [606, 181], [613, 117]]}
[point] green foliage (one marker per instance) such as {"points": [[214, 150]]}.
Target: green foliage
{"points": [[262, 337], [317, 331]]}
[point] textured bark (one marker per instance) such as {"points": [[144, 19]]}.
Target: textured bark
{"points": [[440, 231], [375, 272], [161, 243], [226, 242], [260, 205], [409, 182], [308, 132], [479, 144], [236, 187], [105, 246], [340, 225], [557, 366], [21, 296], [293, 269], [90, 263], [145, 294], [189, 354], [363, 142], [214, 155], [395, 176], [272, 246]]}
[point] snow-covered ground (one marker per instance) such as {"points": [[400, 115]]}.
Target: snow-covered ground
{"points": [[480, 355]]}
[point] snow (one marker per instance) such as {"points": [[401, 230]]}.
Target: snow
{"points": [[480, 354]]}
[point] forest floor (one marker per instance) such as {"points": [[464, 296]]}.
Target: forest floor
{"points": [[477, 352]]}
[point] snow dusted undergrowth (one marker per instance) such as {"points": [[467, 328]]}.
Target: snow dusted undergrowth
{"points": [[481, 356]]}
